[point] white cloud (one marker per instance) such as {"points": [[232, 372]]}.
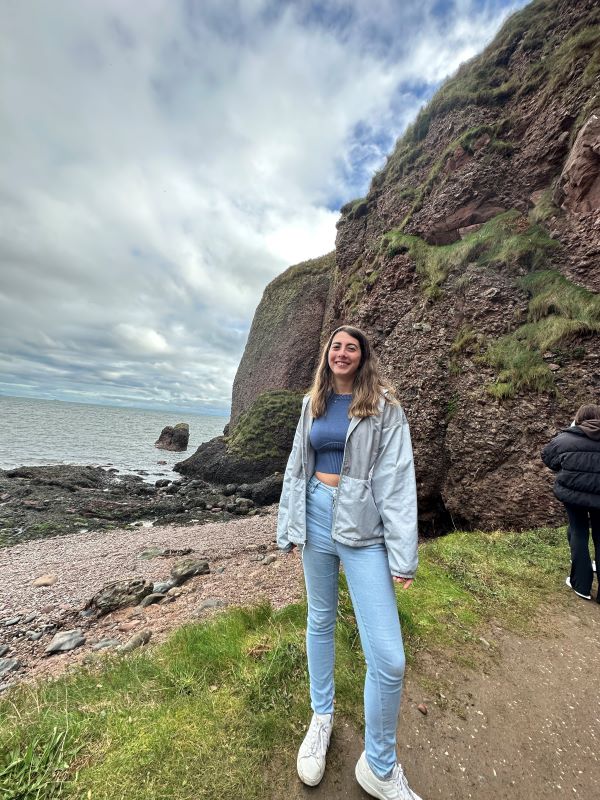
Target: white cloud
{"points": [[163, 161]]}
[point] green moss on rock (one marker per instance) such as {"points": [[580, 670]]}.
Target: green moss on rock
{"points": [[266, 429]]}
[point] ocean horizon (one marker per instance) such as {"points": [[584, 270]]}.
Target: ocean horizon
{"points": [[41, 432]]}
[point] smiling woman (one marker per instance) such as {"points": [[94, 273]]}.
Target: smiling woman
{"points": [[349, 497]]}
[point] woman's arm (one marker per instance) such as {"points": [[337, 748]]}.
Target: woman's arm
{"points": [[551, 454], [395, 493], [282, 519]]}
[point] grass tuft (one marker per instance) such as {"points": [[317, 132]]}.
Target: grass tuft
{"points": [[558, 312], [35, 768]]}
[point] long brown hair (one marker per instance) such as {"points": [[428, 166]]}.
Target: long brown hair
{"points": [[589, 411], [368, 381]]}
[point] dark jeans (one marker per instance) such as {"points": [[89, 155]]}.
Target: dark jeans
{"points": [[580, 521]]}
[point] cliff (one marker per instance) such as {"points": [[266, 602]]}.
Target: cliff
{"points": [[474, 265], [280, 353]]}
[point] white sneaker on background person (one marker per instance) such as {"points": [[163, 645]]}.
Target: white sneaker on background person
{"points": [[313, 750], [394, 788], [585, 596]]}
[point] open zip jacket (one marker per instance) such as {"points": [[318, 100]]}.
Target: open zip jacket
{"points": [[376, 499]]}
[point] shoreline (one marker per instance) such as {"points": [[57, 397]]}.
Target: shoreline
{"points": [[38, 502]]}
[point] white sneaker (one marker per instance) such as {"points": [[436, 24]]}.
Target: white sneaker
{"points": [[585, 596], [593, 566], [394, 788], [313, 750]]}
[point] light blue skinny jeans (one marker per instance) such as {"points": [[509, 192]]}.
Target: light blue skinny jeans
{"points": [[374, 600]]}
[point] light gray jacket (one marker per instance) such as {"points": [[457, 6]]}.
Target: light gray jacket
{"points": [[377, 494]]}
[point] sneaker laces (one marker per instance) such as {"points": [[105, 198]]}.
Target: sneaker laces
{"points": [[399, 779], [316, 738]]}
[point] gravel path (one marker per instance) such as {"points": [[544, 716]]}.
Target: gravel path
{"points": [[84, 563]]}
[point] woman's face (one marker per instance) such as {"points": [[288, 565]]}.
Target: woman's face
{"points": [[344, 355]]}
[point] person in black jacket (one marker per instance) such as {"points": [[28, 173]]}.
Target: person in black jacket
{"points": [[575, 455]]}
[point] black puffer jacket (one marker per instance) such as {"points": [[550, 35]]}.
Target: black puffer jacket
{"points": [[575, 455]]}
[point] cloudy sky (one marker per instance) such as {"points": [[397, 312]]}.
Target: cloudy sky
{"points": [[164, 160]]}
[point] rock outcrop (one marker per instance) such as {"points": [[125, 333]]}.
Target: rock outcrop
{"points": [[282, 351], [578, 189], [255, 448], [282, 347], [473, 263], [174, 438]]}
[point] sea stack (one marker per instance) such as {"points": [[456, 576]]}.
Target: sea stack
{"points": [[175, 439]]}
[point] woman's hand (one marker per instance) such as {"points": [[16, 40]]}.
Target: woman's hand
{"points": [[406, 582]]}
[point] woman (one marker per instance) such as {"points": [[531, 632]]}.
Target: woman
{"points": [[575, 455], [349, 496]]}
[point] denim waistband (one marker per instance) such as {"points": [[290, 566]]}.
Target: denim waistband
{"points": [[314, 483]]}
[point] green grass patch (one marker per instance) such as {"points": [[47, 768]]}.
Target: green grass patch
{"points": [[464, 340], [558, 311], [544, 208], [578, 53], [359, 283], [205, 714], [503, 241], [355, 208], [266, 428]]}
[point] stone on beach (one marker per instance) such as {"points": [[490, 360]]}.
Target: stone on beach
{"points": [[120, 594], [141, 638], [103, 644], [162, 587], [48, 579], [65, 641], [210, 603], [8, 665], [164, 552], [188, 568], [150, 599]]}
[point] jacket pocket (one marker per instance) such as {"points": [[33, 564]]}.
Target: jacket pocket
{"points": [[357, 515]]}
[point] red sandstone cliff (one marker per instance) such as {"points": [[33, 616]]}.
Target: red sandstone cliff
{"points": [[474, 264]]}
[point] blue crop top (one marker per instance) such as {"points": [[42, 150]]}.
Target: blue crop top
{"points": [[328, 434]]}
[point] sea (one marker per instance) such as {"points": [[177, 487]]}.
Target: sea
{"points": [[41, 432]]}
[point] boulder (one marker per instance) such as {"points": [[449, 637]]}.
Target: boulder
{"points": [[65, 641], [578, 189], [120, 594], [188, 568], [139, 639], [268, 490], [8, 665], [174, 438], [256, 447]]}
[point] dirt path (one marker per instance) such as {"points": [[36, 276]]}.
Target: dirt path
{"points": [[526, 726]]}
